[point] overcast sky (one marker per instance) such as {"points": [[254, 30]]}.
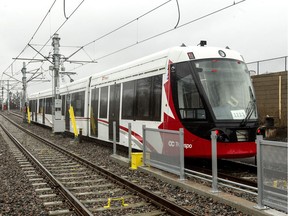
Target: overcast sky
{"points": [[257, 29]]}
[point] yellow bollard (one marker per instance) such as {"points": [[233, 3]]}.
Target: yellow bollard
{"points": [[275, 183], [136, 160], [28, 113], [73, 121]]}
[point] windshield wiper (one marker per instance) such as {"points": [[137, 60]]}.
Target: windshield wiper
{"points": [[250, 109]]}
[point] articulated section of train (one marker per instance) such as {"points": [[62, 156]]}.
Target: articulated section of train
{"points": [[199, 89]]}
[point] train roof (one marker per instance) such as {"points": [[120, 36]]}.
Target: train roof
{"points": [[155, 63], [158, 61]]}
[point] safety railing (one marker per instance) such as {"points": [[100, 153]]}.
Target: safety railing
{"points": [[272, 174], [271, 65], [164, 149]]}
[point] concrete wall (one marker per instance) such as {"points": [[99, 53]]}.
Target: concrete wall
{"points": [[271, 96]]}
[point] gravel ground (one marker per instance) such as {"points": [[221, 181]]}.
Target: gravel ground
{"points": [[17, 196], [99, 155]]}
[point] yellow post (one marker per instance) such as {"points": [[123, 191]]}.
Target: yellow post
{"points": [[28, 113], [92, 122], [73, 121], [136, 160]]}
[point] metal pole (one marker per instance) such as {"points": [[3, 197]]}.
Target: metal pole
{"points": [[8, 97], [257, 67], [285, 63], [2, 96], [214, 162], [129, 142], [259, 174], [24, 92], [181, 140], [114, 137], [56, 62], [144, 144]]}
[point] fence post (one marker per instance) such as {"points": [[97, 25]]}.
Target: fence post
{"points": [[285, 59], [214, 162], [144, 144], [259, 174], [181, 139], [129, 142], [114, 137]]}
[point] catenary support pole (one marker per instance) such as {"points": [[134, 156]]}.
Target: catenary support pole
{"points": [[24, 92]]}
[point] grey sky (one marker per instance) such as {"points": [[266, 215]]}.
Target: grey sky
{"points": [[257, 29]]}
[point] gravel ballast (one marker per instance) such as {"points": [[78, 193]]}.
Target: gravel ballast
{"points": [[100, 155], [17, 196]]}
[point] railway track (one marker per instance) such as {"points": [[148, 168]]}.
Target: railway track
{"points": [[240, 173], [70, 184]]}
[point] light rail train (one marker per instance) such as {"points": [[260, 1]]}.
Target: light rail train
{"points": [[197, 88]]}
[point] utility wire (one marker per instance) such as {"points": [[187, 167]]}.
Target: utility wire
{"points": [[167, 31], [178, 14], [31, 37], [54, 33], [120, 27], [64, 9]]}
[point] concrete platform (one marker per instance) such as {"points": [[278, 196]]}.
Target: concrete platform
{"points": [[240, 204]]}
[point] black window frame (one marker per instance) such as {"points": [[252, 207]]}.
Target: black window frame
{"points": [[153, 100], [78, 103], [103, 102], [95, 108], [48, 105]]}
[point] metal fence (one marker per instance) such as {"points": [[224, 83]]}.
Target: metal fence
{"points": [[268, 65], [164, 149], [272, 174]]}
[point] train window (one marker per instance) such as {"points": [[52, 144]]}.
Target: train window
{"points": [[103, 102], [48, 105], [30, 105], [142, 99], [41, 105], [77, 101], [94, 112], [189, 101], [143, 92], [127, 100], [63, 97], [157, 98]]}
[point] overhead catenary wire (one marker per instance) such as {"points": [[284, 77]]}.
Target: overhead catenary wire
{"points": [[178, 14], [54, 34], [120, 27], [167, 31], [4, 72], [64, 9]]}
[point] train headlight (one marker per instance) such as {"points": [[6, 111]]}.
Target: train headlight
{"points": [[221, 136]]}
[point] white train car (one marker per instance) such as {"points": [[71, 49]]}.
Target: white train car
{"points": [[40, 105], [196, 88]]}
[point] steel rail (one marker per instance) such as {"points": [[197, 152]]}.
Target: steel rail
{"points": [[78, 207], [169, 206]]}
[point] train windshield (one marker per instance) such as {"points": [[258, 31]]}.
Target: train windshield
{"points": [[228, 87]]}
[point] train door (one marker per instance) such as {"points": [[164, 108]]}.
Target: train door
{"points": [[114, 109], [43, 110], [35, 110], [31, 106], [67, 116], [94, 112]]}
